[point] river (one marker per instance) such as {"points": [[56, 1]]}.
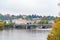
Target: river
{"points": [[23, 34]]}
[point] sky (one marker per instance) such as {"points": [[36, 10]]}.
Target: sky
{"points": [[29, 7]]}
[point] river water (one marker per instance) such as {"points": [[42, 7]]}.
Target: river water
{"points": [[23, 34]]}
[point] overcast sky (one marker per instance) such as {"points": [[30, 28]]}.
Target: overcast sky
{"points": [[28, 7]]}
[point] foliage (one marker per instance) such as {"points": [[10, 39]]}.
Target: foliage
{"points": [[8, 25], [34, 26], [6, 17], [43, 22], [49, 18], [20, 27], [55, 32], [1, 25]]}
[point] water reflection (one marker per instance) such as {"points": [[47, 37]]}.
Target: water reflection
{"points": [[23, 35]]}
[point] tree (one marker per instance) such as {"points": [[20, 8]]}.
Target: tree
{"points": [[43, 22], [1, 25], [55, 32]]}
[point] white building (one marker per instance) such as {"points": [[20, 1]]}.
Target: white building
{"points": [[51, 22], [22, 21], [36, 19]]}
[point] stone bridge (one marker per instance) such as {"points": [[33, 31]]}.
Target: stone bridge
{"points": [[38, 25], [30, 26]]}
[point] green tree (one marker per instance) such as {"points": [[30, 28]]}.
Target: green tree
{"points": [[43, 22]]}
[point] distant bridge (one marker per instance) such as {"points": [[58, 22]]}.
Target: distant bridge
{"points": [[29, 26], [37, 24]]}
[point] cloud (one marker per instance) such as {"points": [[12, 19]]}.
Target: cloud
{"points": [[40, 7]]}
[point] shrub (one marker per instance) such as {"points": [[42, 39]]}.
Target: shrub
{"points": [[34, 26], [43, 22]]}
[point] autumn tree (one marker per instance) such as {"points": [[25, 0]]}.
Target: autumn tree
{"points": [[55, 32]]}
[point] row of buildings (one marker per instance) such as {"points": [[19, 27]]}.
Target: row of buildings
{"points": [[24, 21]]}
